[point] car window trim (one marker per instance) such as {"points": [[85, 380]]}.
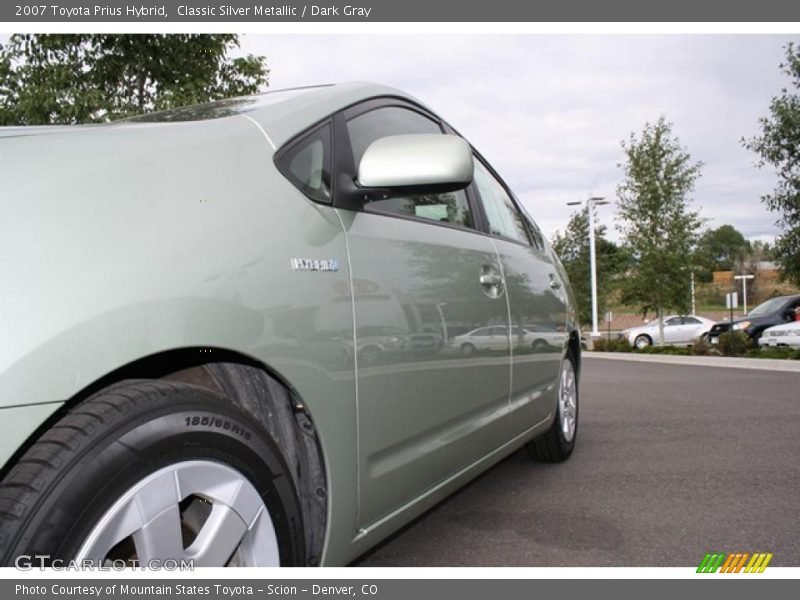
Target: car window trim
{"points": [[493, 173], [532, 237], [297, 140]]}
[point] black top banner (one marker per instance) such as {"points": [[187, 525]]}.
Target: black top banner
{"points": [[375, 11]]}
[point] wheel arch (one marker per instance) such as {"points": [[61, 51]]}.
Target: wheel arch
{"points": [[574, 346], [253, 386]]}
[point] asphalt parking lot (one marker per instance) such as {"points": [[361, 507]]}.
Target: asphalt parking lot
{"points": [[672, 462]]}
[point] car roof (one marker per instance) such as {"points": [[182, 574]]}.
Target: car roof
{"points": [[789, 325], [281, 114]]}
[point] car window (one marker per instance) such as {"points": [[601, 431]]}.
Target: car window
{"points": [[307, 164], [451, 207], [504, 220], [767, 307], [498, 331], [533, 228], [692, 321], [673, 321], [480, 332]]}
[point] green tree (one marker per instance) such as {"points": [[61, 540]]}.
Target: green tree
{"points": [[719, 249], [655, 220], [87, 78], [572, 248], [779, 146]]}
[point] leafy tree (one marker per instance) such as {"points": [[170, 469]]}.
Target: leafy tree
{"points": [[748, 264], [86, 78], [779, 146], [655, 220], [572, 248], [719, 250]]}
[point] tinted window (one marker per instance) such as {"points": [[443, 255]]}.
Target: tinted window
{"points": [[691, 321], [504, 220], [364, 129], [391, 120], [673, 321], [307, 164], [533, 228]]}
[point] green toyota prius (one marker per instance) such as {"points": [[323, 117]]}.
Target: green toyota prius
{"points": [[269, 330]]}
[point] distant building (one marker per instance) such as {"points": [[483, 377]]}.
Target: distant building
{"points": [[766, 270]]}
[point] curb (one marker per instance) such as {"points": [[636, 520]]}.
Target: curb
{"points": [[760, 364]]}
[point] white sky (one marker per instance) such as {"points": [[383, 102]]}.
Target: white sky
{"points": [[549, 110]]}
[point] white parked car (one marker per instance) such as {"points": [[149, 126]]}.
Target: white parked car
{"points": [[787, 334], [497, 338], [678, 329]]}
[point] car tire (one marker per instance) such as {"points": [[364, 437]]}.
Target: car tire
{"points": [[468, 349], [642, 341], [216, 487], [539, 345], [370, 355], [558, 442]]}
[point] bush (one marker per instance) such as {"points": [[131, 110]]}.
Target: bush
{"points": [[602, 344], [733, 343], [701, 347], [779, 352], [671, 350]]}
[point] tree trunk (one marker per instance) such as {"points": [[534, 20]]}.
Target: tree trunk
{"points": [[660, 327], [140, 90]]}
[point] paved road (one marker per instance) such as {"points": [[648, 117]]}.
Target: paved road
{"points": [[672, 462]]}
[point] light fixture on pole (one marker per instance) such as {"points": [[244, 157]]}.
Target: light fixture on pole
{"points": [[590, 203], [744, 279]]}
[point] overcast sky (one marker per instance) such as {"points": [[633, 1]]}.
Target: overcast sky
{"points": [[549, 111]]}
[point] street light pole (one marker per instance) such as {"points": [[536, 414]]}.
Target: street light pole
{"points": [[744, 279], [590, 203], [593, 268]]}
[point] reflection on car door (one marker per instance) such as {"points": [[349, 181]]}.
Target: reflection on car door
{"points": [[535, 295], [421, 417], [498, 338]]}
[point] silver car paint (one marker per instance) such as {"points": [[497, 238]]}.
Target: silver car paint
{"points": [[129, 240]]}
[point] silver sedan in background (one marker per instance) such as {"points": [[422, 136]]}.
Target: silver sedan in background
{"points": [[678, 329]]}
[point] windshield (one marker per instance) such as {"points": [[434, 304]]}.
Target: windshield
{"points": [[767, 307]]}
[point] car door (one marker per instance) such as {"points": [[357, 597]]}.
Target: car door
{"points": [[692, 327], [674, 330], [419, 263], [535, 294]]}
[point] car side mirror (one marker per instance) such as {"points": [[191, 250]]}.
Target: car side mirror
{"points": [[416, 164]]}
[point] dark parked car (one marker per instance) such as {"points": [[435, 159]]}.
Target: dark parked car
{"points": [[772, 312]]}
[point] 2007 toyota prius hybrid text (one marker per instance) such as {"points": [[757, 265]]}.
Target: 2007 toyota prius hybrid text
{"points": [[233, 333]]}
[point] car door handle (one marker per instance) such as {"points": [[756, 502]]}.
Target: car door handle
{"points": [[490, 279], [555, 284]]}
